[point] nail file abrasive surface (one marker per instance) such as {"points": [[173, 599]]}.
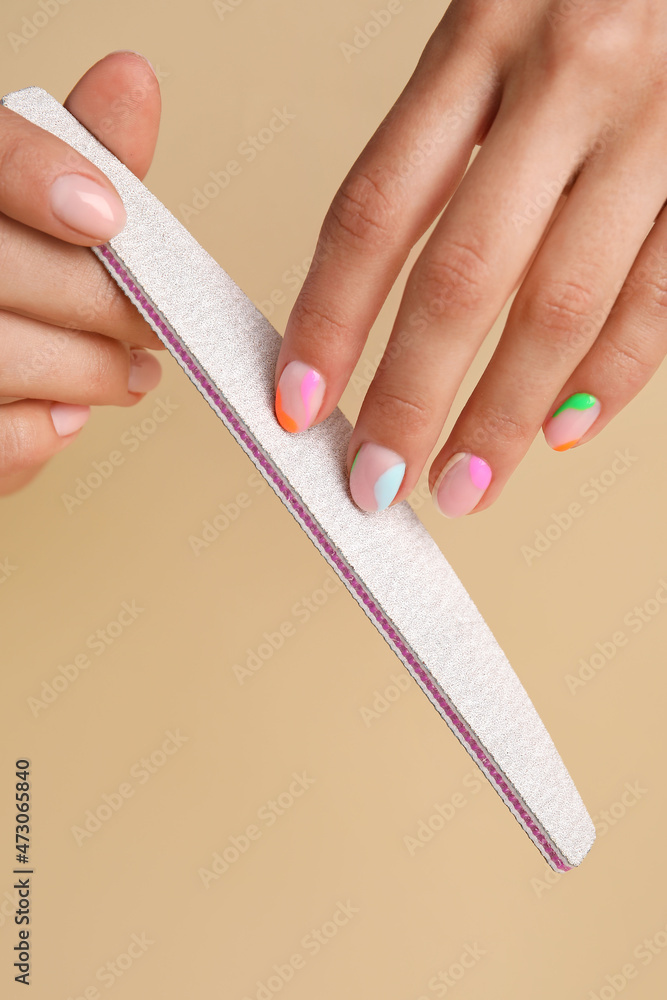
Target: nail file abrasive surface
{"points": [[387, 560]]}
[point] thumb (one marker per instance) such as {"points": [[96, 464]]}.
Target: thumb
{"points": [[118, 100]]}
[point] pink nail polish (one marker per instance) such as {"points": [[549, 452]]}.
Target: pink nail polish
{"points": [[461, 484], [571, 420], [376, 476], [145, 371], [87, 207], [68, 417], [299, 396]]}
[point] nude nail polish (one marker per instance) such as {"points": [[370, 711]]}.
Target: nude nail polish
{"points": [[68, 417], [145, 371], [461, 484], [87, 207], [571, 420], [376, 476], [299, 396]]}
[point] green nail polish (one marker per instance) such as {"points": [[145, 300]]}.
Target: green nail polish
{"points": [[579, 401]]}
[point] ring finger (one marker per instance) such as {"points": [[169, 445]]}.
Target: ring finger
{"points": [[39, 361], [556, 317]]}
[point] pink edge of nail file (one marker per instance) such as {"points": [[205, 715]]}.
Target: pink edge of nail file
{"points": [[387, 560]]}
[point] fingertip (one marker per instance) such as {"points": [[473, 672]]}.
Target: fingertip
{"points": [[131, 52], [145, 371], [68, 418], [118, 100], [568, 424]]}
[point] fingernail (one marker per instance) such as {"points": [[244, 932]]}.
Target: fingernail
{"points": [[571, 420], [376, 476], [145, 371], [299, 396], [68, 418], [133, 52], [87, 207], [461, 484]]}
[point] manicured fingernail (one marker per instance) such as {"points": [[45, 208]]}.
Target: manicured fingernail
{"points": [[571, 420], [68, 418], [145, 371], [299, 396], [461, 484], [376, 476], [87, 207]]}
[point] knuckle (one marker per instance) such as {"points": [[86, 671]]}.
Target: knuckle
{"points": [[17, 152], [411, 415], [655, 292], [456, 279], [495, 426], [629, 361], [363, 213], [557, 307], [593, 36], [588, 24], [315, 321], [101, 366]]}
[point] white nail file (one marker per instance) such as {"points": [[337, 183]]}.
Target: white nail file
{"points": [[387, 560]]}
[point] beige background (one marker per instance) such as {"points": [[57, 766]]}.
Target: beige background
{"points": [[479, 884]]}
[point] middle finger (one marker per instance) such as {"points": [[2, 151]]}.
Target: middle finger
{"points": [[457, 288], [66, 285]]}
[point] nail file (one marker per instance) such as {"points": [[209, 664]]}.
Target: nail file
{"points": [[387, 559]]}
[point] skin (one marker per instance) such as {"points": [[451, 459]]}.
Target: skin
{"points": [[563, 201], [66, 329], [563, 204]]}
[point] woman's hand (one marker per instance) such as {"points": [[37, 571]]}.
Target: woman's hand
{"points": [[565, 199], [69, 337]]}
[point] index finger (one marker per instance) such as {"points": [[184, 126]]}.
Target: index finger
{"points": [[49, 186]]}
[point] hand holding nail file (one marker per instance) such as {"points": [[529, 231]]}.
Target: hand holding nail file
{"points": [[387, 560]]}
